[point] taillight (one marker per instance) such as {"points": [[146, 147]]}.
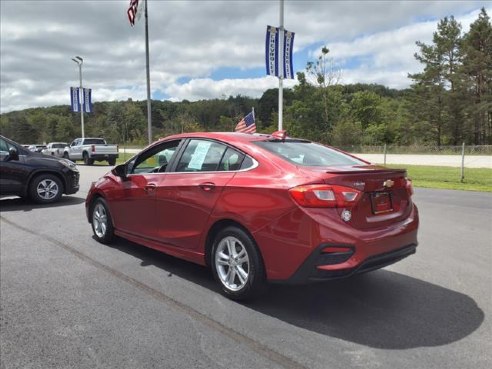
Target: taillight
{"points": [[409, 186], [325, 196]]}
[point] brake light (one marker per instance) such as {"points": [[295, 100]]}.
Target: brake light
{"points": [[409, 186], [325, 196]]}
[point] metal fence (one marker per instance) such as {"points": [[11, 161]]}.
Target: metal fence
{"points": [[420, 149]]}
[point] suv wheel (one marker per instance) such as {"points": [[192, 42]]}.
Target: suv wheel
{"points": [[101, 221], [45, 189], [237, 264]]}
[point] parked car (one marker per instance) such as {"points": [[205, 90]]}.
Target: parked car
{"points": [[55, 149], [36, 148], [258, 208], [33, 175], [90, 150]]}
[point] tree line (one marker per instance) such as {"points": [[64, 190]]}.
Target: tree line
{"points": [[448, 102]]}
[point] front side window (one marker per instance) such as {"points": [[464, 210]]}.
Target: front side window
{"points": [[307, 153], [154, 160]]}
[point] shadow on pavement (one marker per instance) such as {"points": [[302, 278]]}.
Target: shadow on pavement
{"points": [[381, 309], [17, 203]]}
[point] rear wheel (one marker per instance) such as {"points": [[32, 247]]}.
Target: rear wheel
{"points": [[237, 264], [101, 221], [87, 160], [112, 161], [45, 189]]}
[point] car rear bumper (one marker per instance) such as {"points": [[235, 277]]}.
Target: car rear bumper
{"points": [[315, 267], [334, 250], [100, 157]]}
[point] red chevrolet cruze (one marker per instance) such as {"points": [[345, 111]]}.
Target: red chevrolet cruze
{"points": [[258, 208]]}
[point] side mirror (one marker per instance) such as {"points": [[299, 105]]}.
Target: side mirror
{"points": [[13, 155], [120, 171]]}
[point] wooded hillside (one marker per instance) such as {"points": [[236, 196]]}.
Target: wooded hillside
{"points": [[448, 103]]}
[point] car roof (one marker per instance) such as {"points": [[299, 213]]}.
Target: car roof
{"points": [[231, 137]]}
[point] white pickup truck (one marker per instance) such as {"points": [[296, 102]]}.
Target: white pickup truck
{"points": [[90, 150], [55, 149]]}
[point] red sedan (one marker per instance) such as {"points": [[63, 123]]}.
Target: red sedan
{"points": [[258, 208]]}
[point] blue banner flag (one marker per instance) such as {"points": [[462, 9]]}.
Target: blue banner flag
{"points": [[87, 100], [74, 99], [271, 51], [288, 51]]}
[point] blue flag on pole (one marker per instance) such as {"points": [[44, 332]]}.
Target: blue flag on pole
{"points": [[271, 51], [87, 100], [74, 99], [288, 51]]}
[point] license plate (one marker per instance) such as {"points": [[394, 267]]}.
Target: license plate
{"points": [[381, 202]]}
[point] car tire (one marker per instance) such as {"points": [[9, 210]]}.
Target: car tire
{"points": [[101, 221], [65, 156], [45, 189], [237, 264], [112, 161], [87, 160]]}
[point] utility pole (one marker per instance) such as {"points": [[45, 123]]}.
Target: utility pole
{"points": [[79, 62]]}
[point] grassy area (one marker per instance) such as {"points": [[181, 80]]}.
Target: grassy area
{"points": [[476, 179]]}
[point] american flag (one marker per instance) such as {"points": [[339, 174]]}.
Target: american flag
{"points": [[247, 124], [132, 11]]}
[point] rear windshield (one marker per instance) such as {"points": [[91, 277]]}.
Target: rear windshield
{"points": [[94, 141], [308, 153]]}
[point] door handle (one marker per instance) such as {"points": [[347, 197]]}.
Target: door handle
{"points": [[207, 186], [150, 187]]}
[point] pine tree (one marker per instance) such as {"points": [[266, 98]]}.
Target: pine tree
{"points": [[477, 76]]}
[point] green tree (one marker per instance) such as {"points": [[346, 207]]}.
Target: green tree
{"points": [[436, 89], [477, 74]]}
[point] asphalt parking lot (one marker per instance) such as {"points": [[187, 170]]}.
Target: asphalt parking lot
{"points": [[69, 302]]}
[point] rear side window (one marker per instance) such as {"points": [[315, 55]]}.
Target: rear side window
{"points": [[201, 156], [308, 154], [210, 156]]}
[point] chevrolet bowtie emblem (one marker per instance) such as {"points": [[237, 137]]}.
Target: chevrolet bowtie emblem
{"points": [[388, 183]]}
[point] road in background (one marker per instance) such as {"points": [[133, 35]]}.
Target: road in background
{"points": [[70, 302], [471, 161]]}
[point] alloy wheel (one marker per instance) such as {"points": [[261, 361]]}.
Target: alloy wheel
{"points": [[47, 189], [100, 220], [232, 263]]}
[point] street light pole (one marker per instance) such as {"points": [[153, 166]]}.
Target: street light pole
{"points": [[79, 62]]}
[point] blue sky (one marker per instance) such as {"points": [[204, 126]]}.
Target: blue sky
{"points": [[204, 49]]}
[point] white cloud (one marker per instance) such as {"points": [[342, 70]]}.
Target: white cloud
{"points": [[206, 88], [192, 40]]}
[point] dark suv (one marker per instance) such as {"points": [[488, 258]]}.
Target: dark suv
{"points": [[30, 174]]}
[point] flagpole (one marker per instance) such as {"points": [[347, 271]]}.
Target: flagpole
{"points": [[149, 110], [281, 68]]}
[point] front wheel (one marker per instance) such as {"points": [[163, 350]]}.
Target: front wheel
{"points": [[237, 264], [101, 221], [45, 189]]}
